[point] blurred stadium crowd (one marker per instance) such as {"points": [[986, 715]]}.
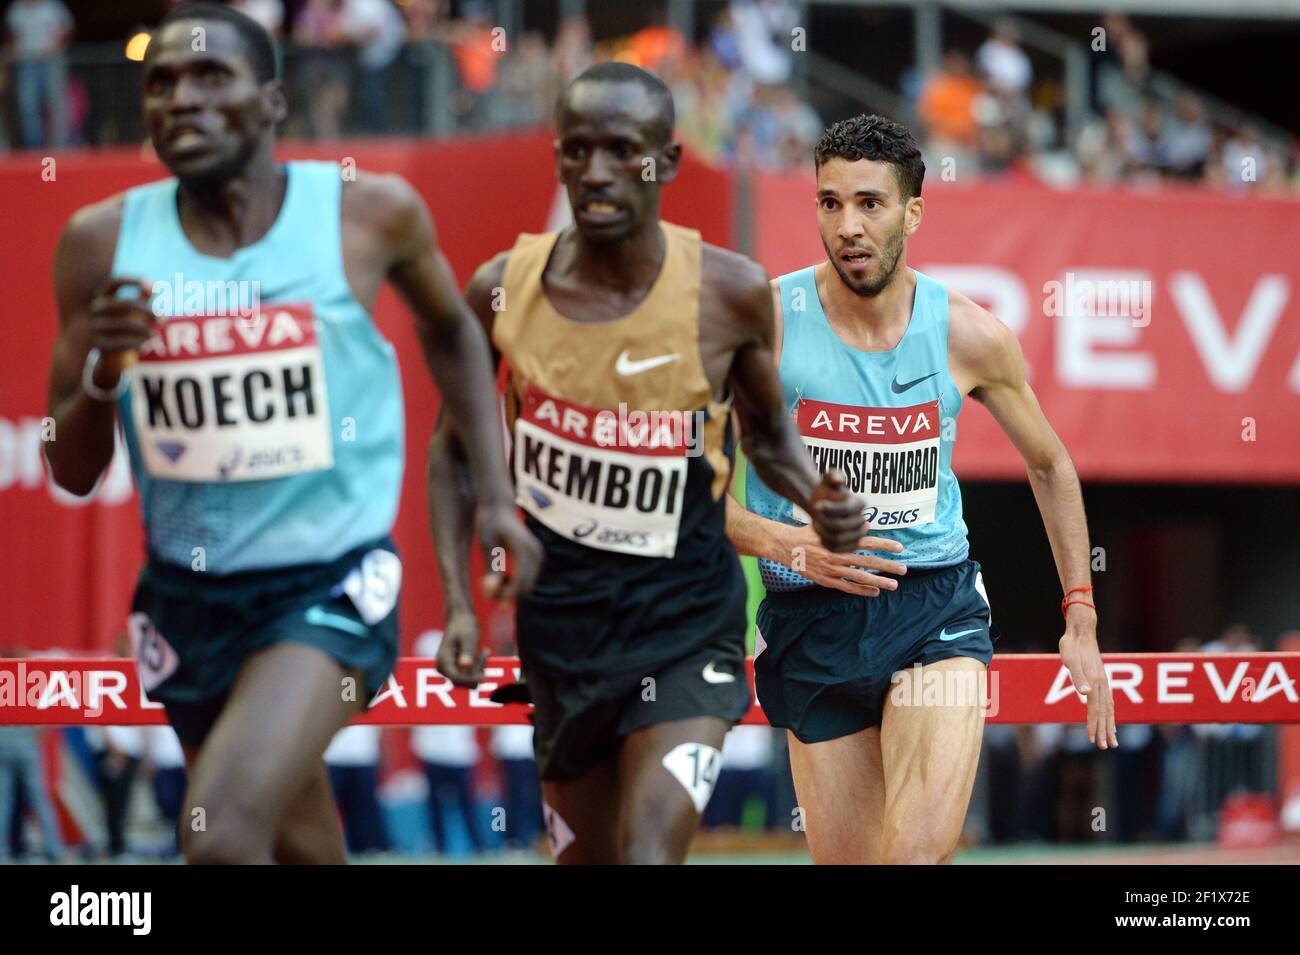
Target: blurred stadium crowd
{"points": [[370, 67], [460, 791]]}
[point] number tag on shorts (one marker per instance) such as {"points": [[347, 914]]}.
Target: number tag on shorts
{"points": [[558, 833], [696, 768], [373, 586], [155, 658]]}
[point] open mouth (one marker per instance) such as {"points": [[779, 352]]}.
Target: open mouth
{"points": [[855, 258], [599, 209], [183, 138]]}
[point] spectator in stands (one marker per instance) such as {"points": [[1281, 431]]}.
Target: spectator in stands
{"points": [[477, 52], [657, 47], [723, 41], [947, 105], [1244, 160], [704, 120], [1150, 141], [424, 22], [1003, 63], [1187, 139], [572, 51], [353, 760], [1107, 148], [512, 747], [22, 772], [764, 34], [378, 32], [1179, 763], [323, 72], [164, 765], [117, 751], [449, 755], [268, 13], [528, 84], [39, 31]]}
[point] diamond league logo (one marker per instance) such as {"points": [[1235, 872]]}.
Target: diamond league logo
{"points": [[171, 450]]}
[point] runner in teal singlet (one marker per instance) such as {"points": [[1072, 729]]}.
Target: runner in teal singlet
{"points": [[875, 661], [223, 317]]}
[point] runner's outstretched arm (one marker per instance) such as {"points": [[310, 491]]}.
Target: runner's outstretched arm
{"points": [[453, 499], [991, 355]]}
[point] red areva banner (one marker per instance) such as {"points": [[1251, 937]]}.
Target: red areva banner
{"points": [[68, 566], [1018, 688], [1161, 329]]}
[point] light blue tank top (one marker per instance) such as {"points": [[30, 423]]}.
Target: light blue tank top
{"points": [[268, 437], [887, 420]]}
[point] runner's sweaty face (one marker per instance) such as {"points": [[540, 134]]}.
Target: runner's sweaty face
{"points": [[205, 109], [612, 154], [864, 221]]}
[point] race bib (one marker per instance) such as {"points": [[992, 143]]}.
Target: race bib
{"points": [[373, 586], [233, 398], [889, 457], [610, 480], [155, 658]]}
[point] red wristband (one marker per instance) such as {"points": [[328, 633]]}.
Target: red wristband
{"points": [[1066, 602]]}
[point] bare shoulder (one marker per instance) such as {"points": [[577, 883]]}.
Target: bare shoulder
{"points": [[385, 203], [487, 278], [84, 257], [95, 226], [979, 343], [740, 284], [491, 274], [736, 276]]}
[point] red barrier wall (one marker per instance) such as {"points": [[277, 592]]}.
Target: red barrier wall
{"points": [[67, 568]]}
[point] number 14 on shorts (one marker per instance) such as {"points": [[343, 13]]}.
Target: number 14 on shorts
{"points": [[696, 767]]}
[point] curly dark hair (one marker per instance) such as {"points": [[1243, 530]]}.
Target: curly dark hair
{"points": [[878, 139]]}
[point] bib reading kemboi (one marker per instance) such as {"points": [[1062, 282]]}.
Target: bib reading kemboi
{"points": [[609, 481]]}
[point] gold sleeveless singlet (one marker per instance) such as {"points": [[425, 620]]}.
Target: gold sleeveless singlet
{"points": [[613, 421]]}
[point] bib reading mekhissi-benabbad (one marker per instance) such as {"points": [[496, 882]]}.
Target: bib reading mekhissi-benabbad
{"points": [[889, 457], [233, 397]]}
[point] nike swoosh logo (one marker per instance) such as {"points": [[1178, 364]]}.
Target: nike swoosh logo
{"points": [[711, 675], [626, 366], [898, 389], [945, 635], [323, 618]]}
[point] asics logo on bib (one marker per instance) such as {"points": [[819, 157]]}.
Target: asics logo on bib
{"points": [[624, 365], [609, 487]]}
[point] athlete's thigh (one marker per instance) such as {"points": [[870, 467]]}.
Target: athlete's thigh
{"points": [[581, 815], [667, 772], [930, 746], [285, 706], [841, 791]]}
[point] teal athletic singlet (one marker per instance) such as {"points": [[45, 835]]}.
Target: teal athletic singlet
{"points": [[886, 420], [270, 437]]}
